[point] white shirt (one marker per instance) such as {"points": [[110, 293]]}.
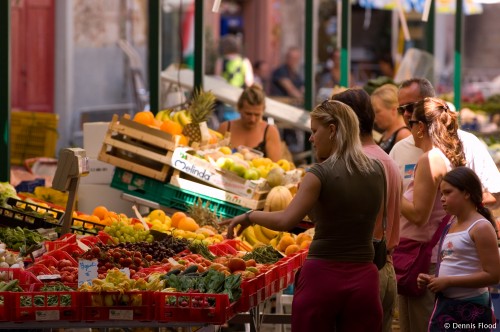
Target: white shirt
{"points": [[458, 258], [406, 155]]}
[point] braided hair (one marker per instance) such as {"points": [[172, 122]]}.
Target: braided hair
{"points": [[465, 179]]}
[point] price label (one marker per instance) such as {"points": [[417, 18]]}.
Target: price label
{"points": [[121, 314], [87, 271], [44, 315]]}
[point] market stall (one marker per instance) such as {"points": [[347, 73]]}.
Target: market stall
{"points": [[64, 268]]}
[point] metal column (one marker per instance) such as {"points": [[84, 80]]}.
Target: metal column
{"points": [[345, 42], [4, 91], [199, 68], [154, 47], [457, 79]]}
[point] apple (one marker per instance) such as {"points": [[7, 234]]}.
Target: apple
{"points": [[238, 169], [252, 173], [225, 163]]}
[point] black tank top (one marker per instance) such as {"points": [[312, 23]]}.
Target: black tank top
{"points": [[261, 146], [389, 143]]}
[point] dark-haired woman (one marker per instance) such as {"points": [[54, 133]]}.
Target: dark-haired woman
{"points": [[469, 253], [434, 128]]}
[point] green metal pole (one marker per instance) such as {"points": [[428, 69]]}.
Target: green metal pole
{"points": [[199, 68], [4, 90], [309, 54], [345, 43], [154, 46], [430, 29], [457, 80]]}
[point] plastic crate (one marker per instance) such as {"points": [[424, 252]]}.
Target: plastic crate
{"points": [[32, 135], [45, 306], [46, 260], [38, 269], [250, 293], [181, 199], [136, 184], [20, 215], [193, 308], [24, 277], [61, 242], [5, 306], [85, 227], [137, 306], [60, 255]]}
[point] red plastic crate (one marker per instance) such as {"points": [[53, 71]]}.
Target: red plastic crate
{"points": [[46, 261], [24, 277], [138, 306], [5, 306], [38, 269], [193, 308], [270, 280], [90, 240], [72, 249], [105, 238], [249, 296], [45, 306], [60, 255]]}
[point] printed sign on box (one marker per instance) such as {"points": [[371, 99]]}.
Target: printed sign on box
{"points": [[204, 171]]}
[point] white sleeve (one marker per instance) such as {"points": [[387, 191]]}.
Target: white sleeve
{"points": [[249, 80], [479, 159]]}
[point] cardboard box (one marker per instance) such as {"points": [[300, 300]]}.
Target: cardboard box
{"points": [[99, 173], [213, 175], [93, 136]]}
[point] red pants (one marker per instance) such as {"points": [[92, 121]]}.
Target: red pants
{"points": [[336, 296]]}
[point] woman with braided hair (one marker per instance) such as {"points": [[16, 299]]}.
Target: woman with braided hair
{"points": [[434, 128], [469, 260]]}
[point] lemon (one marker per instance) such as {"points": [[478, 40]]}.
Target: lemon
{"points": [[157, 214], [225, 150]]}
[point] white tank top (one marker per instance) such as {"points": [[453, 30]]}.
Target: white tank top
{"points": [[459, 257]]}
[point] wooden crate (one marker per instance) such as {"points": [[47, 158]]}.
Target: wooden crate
{"points": [[137, 148], [184, 181]]}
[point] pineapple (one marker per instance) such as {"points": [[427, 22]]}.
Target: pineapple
{"points": [[204, 216], [200, 110]]}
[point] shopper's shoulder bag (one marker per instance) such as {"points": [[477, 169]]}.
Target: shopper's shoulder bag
{"points": [[413, 257], [380, 246]]}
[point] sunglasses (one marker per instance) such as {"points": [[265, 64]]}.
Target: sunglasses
{"points": [[406, 108]]}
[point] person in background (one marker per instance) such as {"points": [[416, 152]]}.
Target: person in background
{"points": [[469, 252], [232, 66], [434, 129], [360, 102], [236, 70], [406, 154], [261, 74], [342, 194], [286, 81], [385, 103], [250, 129]]}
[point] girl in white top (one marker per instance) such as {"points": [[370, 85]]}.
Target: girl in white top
{"points": [[470, 261]]}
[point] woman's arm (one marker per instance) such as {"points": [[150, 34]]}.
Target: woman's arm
{"points": [[249, 77], [485, 239], [429, 171], [273, 144], [301, 204]]}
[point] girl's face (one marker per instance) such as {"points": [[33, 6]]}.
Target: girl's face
{"points": [[384, 117], [320, 139], [251, 115], [453, 199]]}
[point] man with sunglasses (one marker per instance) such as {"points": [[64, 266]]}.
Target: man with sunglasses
{"points": [[415, 311]]}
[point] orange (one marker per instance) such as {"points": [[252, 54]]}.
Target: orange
{"points": [[305, 244], [285, 241], [291, 249], [145, 117], [100, 211], [188, 224], [171, 127], [183, 140], [176, 217], [302, 237]]}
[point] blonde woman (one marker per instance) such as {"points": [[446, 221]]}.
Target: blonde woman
{"points": [[385, 104], [250, 129], [342, 195]]}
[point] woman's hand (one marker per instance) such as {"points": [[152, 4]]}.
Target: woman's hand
{"points": [[438, 284], [243, 220], [423, 280]]}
